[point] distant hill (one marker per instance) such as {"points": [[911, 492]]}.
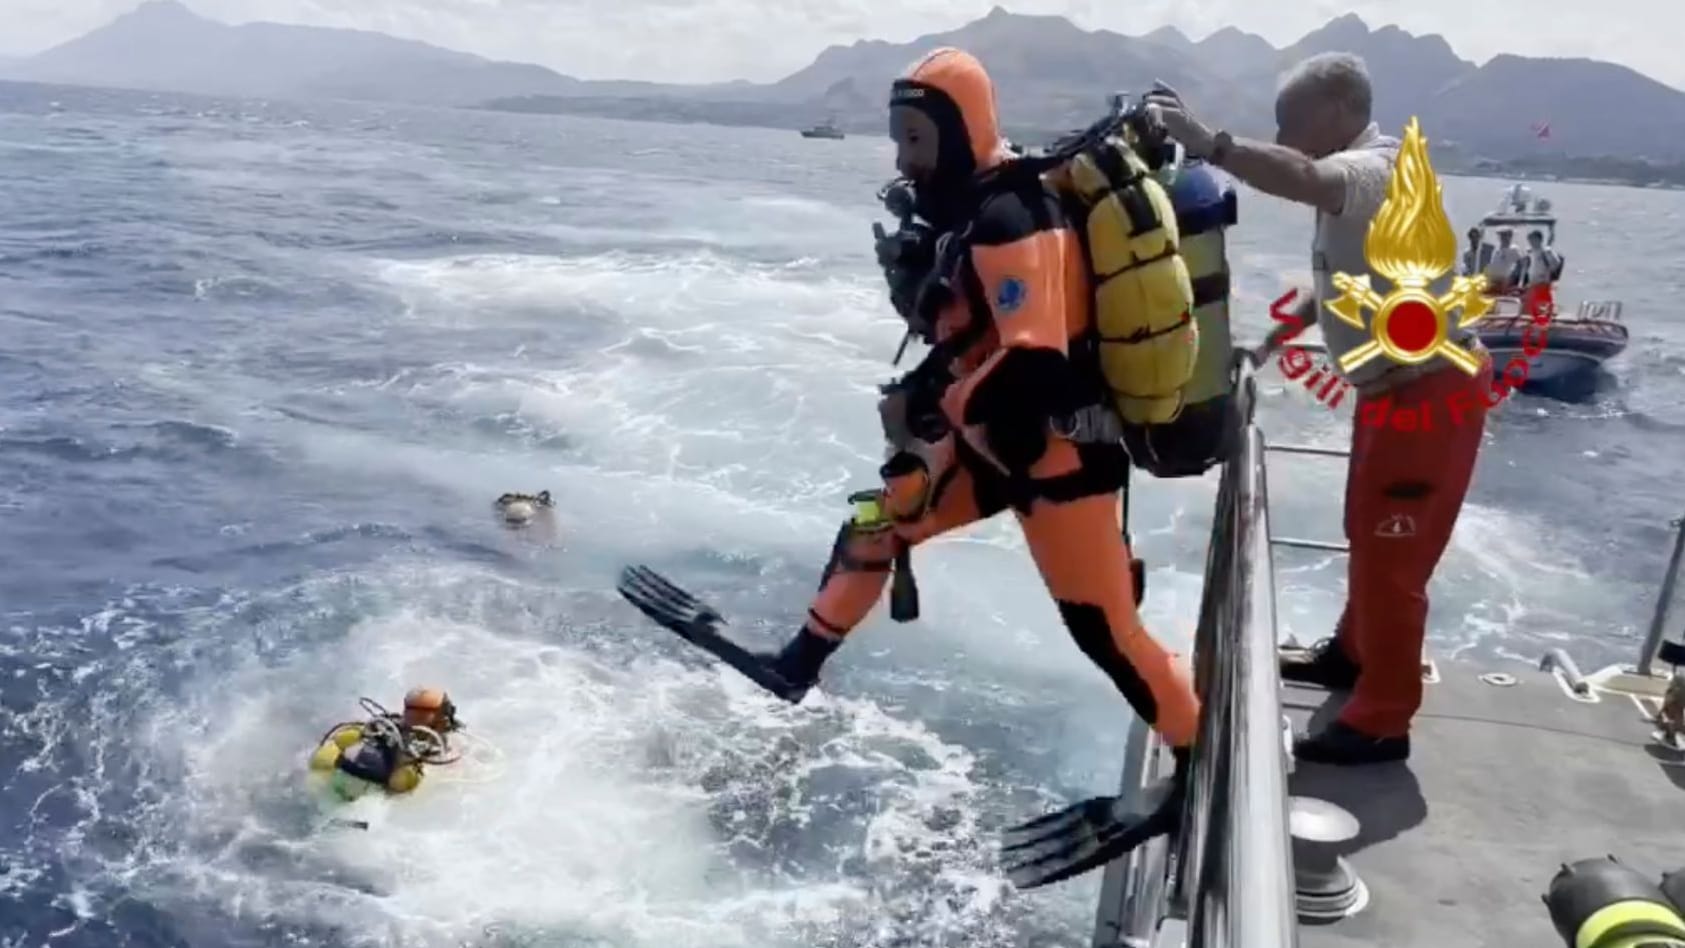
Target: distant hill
{"points": [[1594, 108], [1408, 71], [1044, 66], [1051, 76], [163, 45], [1232, 53]]}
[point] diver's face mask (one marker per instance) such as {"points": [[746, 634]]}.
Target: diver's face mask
{"points": [[917, 142], [932, 151]]}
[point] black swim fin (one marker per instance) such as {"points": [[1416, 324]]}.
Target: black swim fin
{"points": [[1089, 834], [698, 623]]}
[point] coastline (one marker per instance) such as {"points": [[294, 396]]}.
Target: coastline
{"points": [[793, 117]]}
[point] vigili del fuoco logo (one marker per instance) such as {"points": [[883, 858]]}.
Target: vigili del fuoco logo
{"points": [[1410, 242]]}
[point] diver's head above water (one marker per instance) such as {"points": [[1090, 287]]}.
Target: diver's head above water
{"points": [[430, 707], [943, 120]]}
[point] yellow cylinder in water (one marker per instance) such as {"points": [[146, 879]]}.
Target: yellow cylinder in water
{"points": [[406, 778], [325, 756], [327, 753]]}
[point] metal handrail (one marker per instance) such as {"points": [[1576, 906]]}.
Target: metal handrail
{"points": [[1231, 875], [1664, 602], [1237, 857]]}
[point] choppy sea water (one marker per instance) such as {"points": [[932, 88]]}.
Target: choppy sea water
{"points": [[266, 365]]}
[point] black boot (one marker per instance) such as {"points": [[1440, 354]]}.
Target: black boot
{"points": [[1094, 832], [799, 661], [1324, 665], [1345, 746]]}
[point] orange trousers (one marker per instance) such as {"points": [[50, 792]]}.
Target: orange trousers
{"points": [[1078, 547], [1404, 491]]}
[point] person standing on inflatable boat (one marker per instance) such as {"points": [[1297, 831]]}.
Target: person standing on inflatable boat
{"points": [[971, 437], [1405, 488]]}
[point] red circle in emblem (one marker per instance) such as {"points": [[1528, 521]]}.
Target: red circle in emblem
{"points": [[1411, 325]]}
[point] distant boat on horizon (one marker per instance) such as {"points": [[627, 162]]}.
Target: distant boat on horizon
{"points": [[825, 129]]}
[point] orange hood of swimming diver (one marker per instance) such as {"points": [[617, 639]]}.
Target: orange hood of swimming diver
{"points": [[951, 87]]}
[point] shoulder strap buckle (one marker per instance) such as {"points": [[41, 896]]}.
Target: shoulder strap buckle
{"points": [[1090, 424]]}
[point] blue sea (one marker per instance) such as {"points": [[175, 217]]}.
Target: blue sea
{"points": [[264, 367]]}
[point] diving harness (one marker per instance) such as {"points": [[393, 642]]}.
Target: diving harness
{"points": [[1155, 374], [378, 750]]}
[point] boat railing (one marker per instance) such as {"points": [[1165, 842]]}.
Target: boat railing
{"points": [[1236, 867], [1228, 883], [1504, 307], [1608, 311], [1664, 604], [1228, 880]]}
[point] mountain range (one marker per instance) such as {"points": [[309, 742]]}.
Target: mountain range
{"points": [[1050, 75]]}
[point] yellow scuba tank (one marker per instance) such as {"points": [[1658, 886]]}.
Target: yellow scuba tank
{"points": [[1599, 903], [1157, 256], [351, 769], [1147, 341], [327, 753], [405, 778], [1155, 372]]}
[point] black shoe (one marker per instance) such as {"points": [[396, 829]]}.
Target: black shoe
{"points": [[1090, 834], [1324, 664], [1345, 746]]}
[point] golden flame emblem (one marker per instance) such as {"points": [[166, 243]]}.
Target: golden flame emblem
{"points": [[1410, 242]]}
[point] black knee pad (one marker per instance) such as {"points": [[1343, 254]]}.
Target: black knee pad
{"points": [[1087, 625], [1015, 402]]}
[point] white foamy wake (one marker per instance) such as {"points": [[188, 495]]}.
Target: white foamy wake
{"points": [[672, 403], [640, 801]]}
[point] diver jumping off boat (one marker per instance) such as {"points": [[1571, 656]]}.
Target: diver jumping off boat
{"points": [[1060, 311], [388, 751]]}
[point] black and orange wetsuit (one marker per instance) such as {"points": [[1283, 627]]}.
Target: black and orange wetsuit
{"points": [[1002, 346]]}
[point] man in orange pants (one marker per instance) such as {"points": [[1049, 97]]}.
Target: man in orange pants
{"points": [[971, 437], [1405, 486]]}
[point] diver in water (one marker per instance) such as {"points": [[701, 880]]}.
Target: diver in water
{"points": [[388, 750], [518, 510], [971, 436]]}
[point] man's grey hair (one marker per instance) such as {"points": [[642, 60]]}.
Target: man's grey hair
{"points": [[1342, 78]]}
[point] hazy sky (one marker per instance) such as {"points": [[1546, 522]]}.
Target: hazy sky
{"points": [[699, 40]]}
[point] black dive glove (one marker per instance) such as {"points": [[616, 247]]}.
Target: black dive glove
{"points": [[907, 257], [921, 391], [920, 268]]}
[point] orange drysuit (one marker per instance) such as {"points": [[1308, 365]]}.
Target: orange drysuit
{"points": [[1005, 337]]}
